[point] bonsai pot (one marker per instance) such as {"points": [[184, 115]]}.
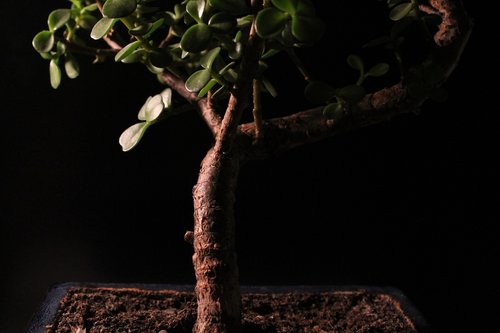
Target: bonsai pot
{"points": [[154, 308]]}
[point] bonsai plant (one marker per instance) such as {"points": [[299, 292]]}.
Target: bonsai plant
{"points": [[213, 57]]}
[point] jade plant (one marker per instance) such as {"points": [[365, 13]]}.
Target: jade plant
{"points": [[213, 58]]}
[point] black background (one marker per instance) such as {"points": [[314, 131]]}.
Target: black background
{"points": [[411, 203]]}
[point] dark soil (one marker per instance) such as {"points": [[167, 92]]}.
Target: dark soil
{"points": [[106, 310]]}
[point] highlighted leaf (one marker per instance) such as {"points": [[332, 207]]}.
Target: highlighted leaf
{"points": [[55, 74], [43, 41], [71, 67], [401, 11], [119, 8], [198, 80], [288, 6], [355, 62], [58, 18], [127, 50], [208, 59], [132, 135], [378, 70], [196, 38], [102, 27], [307, 29]]}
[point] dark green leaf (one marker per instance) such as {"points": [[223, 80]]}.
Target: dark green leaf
{"points": [[71, 67], [195, 8], [318, 92], [160, 59], [102, 27], [156, 25], [229, 6], [134, 57], [90, 8], [58, 18], [208, 59], [127, 50], [334, 111], [119, 8], [55, 74], [307, 29], [198, 80], [132, 135], [351, 94], [288, 6], [305, 8], [378, 70], [355, 62], [43, 41], [270, 22], [400, 11], [207, 87], [392, 3], [196, 38], [140, 30], [268, 86], [222, 22]]}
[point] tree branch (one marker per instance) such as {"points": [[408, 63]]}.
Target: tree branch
{"points": [[311, 126], [205, 108]]}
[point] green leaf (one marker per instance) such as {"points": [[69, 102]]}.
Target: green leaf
{"points": [[288, 6], [222, 21], [307, 29], [334, 111], [156, 25], [132, 135], [90, 8], [355, 62], [140, 30], [352, 94], [43, 42], [268, 86], [119, 8], [136, 56], [196, 38], [55, 74], [58, 18], [378, 70], [208, 59], [207, 87], [71, 67], [127, 50], [153, 109], [161, 58], [305, 8], [318, 92], [102, 27], [198, 80], [229, 6], [195, 8], [400, 11], [270, 22]]}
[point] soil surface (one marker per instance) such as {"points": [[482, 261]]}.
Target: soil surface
{"points": [[109, 310]]}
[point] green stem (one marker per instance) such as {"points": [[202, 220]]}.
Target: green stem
{"points": [[130, 25]]}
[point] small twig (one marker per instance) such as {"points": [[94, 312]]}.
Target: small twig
{"points": [[298, 63], [257, 110], [86, 50]]}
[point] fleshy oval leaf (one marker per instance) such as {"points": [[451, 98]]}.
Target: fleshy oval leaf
{"points": [[352, 94], [307, 29], [102, 27], [207, 87], [334, 111], [378, 70], [127, 50], [132, 135], [55, 74], [196, 38], [118, 8], [44, 41], [288, 6], [355, 62], [270, 22], [71, 67], [208, 59], [198, 80], [222, 22], [58, 18], [401, 11]]}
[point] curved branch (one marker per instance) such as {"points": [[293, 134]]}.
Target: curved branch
{"points": [[205, 108], [310, 126]]}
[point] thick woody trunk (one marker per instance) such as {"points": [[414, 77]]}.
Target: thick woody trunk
{"points": [[214, 259]]}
